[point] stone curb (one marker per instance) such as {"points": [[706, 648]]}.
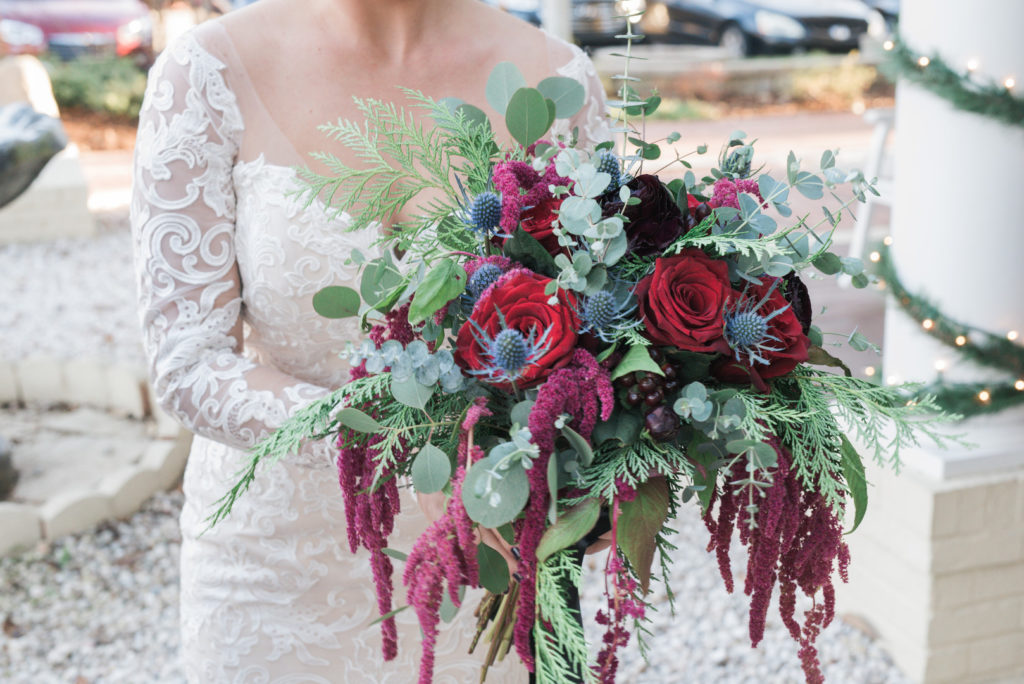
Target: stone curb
{"points": [[119, 388]]}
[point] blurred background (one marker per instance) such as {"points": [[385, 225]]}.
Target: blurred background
{"points": [[90, 468]]}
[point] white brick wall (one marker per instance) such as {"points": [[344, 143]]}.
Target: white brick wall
{"points": [[938, 570]]}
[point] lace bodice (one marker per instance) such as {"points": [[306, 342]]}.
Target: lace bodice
{"points": [[227, 260]]}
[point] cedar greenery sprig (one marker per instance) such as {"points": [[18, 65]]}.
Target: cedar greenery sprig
{"points": [[960, 88]]}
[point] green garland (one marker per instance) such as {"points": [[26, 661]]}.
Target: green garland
{"points": [[982, 347], [960, 88]]}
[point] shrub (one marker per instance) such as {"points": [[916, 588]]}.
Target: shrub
{"points": [[107, 85]]}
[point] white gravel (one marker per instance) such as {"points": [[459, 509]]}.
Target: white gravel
{"points": [[101, 607], [69, 298]]}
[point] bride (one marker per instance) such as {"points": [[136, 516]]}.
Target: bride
{"points": [[228, 261]]}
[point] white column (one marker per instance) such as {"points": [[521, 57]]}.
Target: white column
{"points": [[557, 18], [938, 565], [958, 214]]}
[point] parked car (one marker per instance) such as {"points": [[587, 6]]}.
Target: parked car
{"points": [[594, 22], [19, 38], [746, 27], [73, 28]]}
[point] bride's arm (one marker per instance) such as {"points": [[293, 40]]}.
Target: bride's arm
{"points": [[183, 224]]}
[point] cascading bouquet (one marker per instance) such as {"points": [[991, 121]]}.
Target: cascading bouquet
{"points": [[570, 346]]}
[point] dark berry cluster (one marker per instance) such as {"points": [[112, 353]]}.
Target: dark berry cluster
{"points": [[649, 391]]}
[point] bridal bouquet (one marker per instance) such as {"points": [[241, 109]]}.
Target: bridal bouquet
{"points": [[573, 345]]}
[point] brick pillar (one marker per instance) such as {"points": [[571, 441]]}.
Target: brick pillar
{"points": [[938, 565]]}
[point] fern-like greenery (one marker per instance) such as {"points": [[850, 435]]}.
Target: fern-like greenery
{"points": [[632, 465], [561, 647]]}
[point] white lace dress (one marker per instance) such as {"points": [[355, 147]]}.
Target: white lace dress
{"points": [[227, 263]]}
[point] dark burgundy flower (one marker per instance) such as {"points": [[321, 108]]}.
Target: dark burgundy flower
{"points": [[655, 222]]}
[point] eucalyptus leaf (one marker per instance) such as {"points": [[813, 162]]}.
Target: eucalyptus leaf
{"points": [[411, 393], [354, 419], [505, 79], [581, 445], [573, 524], [511, 490], [431, 469], [521, 413], [828, 263], [527, 116], [474, 115], [387, 615], [336, 301], [567, 94], [396, 554], [449, 610]]}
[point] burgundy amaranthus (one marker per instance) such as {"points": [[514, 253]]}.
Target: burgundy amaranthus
{"points": [[795, 540], [583, 390], [522, 187], [446, 552], [370, 510], [622, 604]]}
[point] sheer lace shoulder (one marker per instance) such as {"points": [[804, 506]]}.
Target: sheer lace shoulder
{"points": [[183, 225], [592, 119]]}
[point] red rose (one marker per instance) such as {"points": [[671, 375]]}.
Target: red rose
{"points": [[683, 300], [784, 343], [538, 222], [517, 302]]}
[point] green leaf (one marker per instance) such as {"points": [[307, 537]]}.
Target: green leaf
{"points": [[520, 414], [336, 302], [856, 481], [385, 616], [525, 249], [828, 263], [567, 94], [412, 393], [493, 569], [474, 115], [625, 427], [512, 491], [815, 336], [396, 554], [381, 283], [505, 79], [354, 419], [449, 610], [860, 281], [551, 112], [443, 283], [430, 469], [579, 444], [636, 359], [816, 356], [640, 521], [573, 524], [527, 116], [552, 476]]}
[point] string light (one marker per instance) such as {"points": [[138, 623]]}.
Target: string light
{"points": [[1009, 83], [874, 257], [870, 371], [972, 64], [923, 61], [941, 365], [984, 395], [888, 45], [1012, 335], [892, 380], [887, 241], [1019, 385], [960, 340], [927, 324]]}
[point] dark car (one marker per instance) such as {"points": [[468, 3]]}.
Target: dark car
{"points": [[594, 22], [73, 28], [746, 27]]}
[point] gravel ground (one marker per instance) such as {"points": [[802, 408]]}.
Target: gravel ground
{"points": [[101, 607], [70, 298]]}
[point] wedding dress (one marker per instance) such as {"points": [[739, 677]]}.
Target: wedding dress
{"points": [[227, 261]]}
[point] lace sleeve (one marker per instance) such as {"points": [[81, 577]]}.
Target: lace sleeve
{"points": [[592, 120], [183, 225]]}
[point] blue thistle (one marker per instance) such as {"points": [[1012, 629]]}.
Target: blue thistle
{"points": [[509, 353], [485, 213], [483, 278], [606, 312], [747, 331], [608, 163]]}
